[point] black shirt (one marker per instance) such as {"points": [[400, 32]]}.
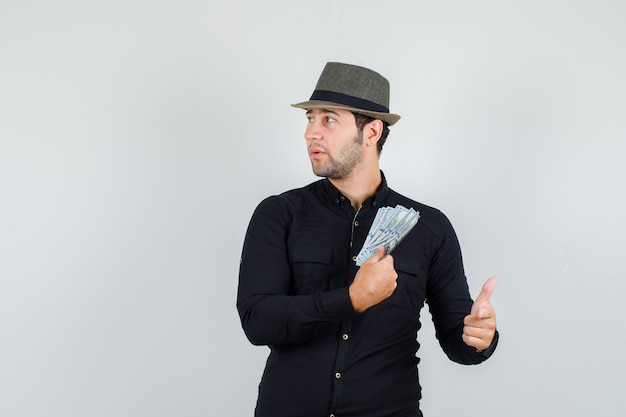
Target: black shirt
{"points": [[297, 262]]}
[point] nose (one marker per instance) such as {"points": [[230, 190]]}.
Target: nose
{"points": [[312, 131]]}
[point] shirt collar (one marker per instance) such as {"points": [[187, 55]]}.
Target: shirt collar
{"points": [[333, 194]]}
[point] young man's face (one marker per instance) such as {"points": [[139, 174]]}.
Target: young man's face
{"points": [[334, 143]]}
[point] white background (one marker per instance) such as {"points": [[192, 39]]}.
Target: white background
{"points": [[137, 137]]}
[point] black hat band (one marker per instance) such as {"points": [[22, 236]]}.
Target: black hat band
{"points": [[356, 102]]}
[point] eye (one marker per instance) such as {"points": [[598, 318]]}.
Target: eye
{"points": [[330, 119]]}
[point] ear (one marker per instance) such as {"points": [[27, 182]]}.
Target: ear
{"points": [[372, 132]]}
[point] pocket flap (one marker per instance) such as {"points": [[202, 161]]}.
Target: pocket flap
{"points": [[406, 264]]}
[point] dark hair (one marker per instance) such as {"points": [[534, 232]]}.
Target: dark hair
{"points": [[362, 120]]}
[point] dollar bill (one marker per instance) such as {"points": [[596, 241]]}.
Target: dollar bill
{"points": [[390, 226]]}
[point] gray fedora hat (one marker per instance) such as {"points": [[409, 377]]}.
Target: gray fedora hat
{"points": [[354, 88]]}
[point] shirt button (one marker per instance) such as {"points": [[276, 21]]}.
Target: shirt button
{"points": [[345, 336], [354, 258], [338, 375], [356, 223]]}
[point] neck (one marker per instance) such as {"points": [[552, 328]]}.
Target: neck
{"points": [[359, 186]]}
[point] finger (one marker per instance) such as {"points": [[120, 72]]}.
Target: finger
{"points": [[484, 296], [486, 312], [483, 318], [486, 291], [379, 254], [482, 312], [475, 342]]}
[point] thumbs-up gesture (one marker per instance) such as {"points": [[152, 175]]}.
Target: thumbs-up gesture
{"points": [[480, 324]]}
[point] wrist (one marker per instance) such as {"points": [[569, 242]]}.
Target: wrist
{"points": [[356, 301]]}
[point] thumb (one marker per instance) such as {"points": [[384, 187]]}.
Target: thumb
{"points": [[379, 254], [484, 297]]}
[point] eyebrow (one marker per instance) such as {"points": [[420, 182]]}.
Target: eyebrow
{"points": [[308, 112]]}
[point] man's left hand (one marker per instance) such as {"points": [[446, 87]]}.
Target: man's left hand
{"points": [[480, 324]]}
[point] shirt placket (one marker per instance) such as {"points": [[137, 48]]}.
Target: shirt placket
{"points": [[356, 238]]}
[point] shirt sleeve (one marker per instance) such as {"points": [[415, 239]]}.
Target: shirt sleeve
{"points": [[449, 299], [269, 313]]}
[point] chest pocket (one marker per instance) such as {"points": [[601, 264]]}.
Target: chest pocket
{"points": [[411, 291], [310, 268]]}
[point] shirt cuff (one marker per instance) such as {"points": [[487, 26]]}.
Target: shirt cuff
{"points": [[336, 304]]}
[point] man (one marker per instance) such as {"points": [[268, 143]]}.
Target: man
{"points": [[342, 338]]}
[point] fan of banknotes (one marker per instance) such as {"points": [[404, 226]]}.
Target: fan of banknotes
{"points": [[390, 226]]}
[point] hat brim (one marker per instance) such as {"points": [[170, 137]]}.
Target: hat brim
{"points": [[389, 118]]}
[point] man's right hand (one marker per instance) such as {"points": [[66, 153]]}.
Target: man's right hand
{"points": [[374, 282]]}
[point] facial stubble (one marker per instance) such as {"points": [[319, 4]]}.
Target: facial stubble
{"points": [[341, 167]]}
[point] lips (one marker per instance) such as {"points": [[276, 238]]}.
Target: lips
{"points": [[315, 152]]}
